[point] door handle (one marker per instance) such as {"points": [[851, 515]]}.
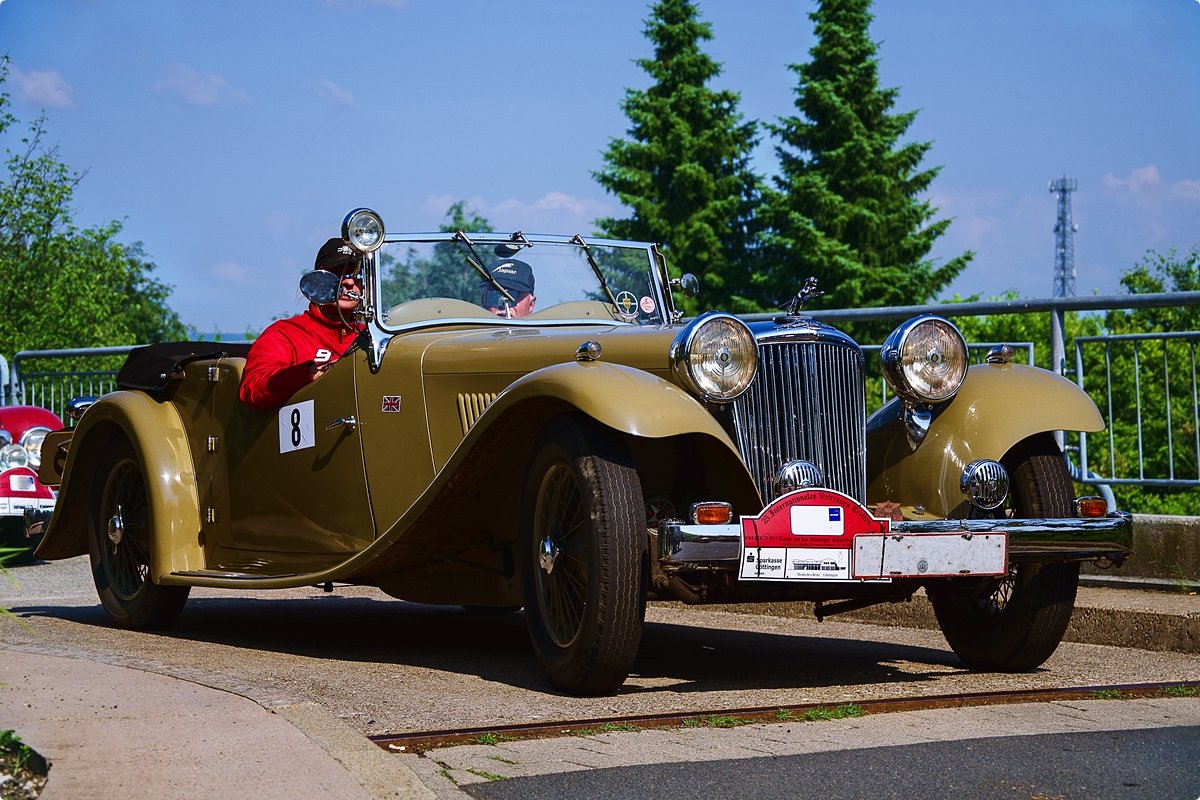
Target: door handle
{"points": [[349, 422]]}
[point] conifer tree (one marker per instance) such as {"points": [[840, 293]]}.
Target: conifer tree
{"points": [[846, 206], [684, 170]]}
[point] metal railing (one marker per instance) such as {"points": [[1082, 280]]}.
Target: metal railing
{"points": [[52, 388], [1162, 410], [1164, 401]]}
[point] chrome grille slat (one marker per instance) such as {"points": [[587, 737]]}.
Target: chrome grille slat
{"points": [[807, 403]]}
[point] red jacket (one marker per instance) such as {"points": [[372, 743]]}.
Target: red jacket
{"points": [[279, 362]]}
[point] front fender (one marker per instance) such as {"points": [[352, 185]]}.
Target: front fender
{"points": [[624, 398], [997, 406], [473, 499], [158, 437]]}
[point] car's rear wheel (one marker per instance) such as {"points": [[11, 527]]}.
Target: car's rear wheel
{"points": [[583, 551], [120, 546], [1014, 624]]}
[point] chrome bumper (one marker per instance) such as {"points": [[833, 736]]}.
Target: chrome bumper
{"points": [[1070, 539]]}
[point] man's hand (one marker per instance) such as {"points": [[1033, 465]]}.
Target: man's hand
{"points": [[317, 370]]}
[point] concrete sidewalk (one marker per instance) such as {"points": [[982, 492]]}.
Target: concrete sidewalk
{"points": [[112, 731], [116, 731]]}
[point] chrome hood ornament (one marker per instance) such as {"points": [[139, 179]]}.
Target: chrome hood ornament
{"points": [[807, 292]]}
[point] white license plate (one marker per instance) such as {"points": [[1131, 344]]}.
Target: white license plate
{"points": [[930, 555]]}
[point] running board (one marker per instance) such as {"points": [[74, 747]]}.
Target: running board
{"points": [[231, 576]]}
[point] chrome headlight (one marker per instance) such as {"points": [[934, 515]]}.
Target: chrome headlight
{"points": [[715, 356], [32, 442], [13, 455], [363, 230], [925, 360]]}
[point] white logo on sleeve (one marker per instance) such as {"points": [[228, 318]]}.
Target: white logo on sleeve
{"points": [[322, 356]]}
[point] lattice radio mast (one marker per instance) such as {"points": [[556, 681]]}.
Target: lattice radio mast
{"points": [[1064, 238]]}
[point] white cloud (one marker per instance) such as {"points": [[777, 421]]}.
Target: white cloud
{"points": [[1143, 180], [44, 88], [1147, 188], [205, 91], [230, 272], [552, 205], [1186, 190], [333, 94]]}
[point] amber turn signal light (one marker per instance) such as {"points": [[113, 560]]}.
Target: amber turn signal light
{"points": [[1091, 506], [712, 513]]}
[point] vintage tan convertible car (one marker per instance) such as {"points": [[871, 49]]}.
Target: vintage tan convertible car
{"points": [[578, 461]]}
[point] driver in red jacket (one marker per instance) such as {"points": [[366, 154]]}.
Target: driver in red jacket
{"points": [[293, 352]]}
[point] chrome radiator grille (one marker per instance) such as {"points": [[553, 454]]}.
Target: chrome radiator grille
{"points": [[806, 403]]}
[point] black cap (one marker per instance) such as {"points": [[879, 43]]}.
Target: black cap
{"points": [[515, 276], [336, 256]]}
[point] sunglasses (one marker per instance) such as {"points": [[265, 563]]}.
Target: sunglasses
{"points": [[494, 299]]}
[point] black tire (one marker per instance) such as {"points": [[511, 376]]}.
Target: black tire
{"points": [[120, 543], [583, 540], [1014, 624]]}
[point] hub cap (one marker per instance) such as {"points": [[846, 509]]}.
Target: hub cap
{"points": [[116, 528], [548, 555]]}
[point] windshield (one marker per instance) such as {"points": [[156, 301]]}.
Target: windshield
{"points": [[508, 278]]}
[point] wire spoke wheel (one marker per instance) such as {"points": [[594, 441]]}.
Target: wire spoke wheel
{"points": [[126, 554], [1015, 623], [583, 549], [560, 535], [120, 547]]}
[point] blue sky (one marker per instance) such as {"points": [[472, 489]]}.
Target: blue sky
{"points": [[231, 137]]}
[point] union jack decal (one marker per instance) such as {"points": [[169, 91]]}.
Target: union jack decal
{"points": [[391, 403]]}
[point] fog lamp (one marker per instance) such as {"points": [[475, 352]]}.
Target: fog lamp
{"points": [[985, 484], [798, 475]]}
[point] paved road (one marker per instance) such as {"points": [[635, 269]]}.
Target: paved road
{"points": [[1158, 764], [370, 664], [382, 665]]}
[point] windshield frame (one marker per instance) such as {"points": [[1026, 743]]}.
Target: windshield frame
{"points": [[382, 329]]}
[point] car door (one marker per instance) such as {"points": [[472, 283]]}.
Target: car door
{"points": [[296, 483]]}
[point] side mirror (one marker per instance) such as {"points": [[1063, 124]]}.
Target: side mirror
{"points": [[688, 283], [320, 286]]}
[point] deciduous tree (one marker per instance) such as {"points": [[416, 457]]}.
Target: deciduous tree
{"points": [[63, 286], [1153, 388]]}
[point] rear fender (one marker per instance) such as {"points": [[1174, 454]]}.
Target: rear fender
{"points": [[158, 437], [998, 406]]}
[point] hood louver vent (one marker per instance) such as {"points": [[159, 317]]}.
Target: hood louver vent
{"points": [[471, 407]]}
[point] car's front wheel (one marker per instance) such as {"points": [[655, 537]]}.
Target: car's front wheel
{"points": [[120, 545], [1015, 623], [583, 549]]}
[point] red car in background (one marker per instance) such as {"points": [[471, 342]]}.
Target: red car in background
{"points": [[22, 431]]}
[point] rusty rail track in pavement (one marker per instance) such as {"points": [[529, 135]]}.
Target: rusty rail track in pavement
{"points": [[421, 742]]}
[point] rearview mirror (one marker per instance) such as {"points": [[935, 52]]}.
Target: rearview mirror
{"points": [[320, 286]]}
